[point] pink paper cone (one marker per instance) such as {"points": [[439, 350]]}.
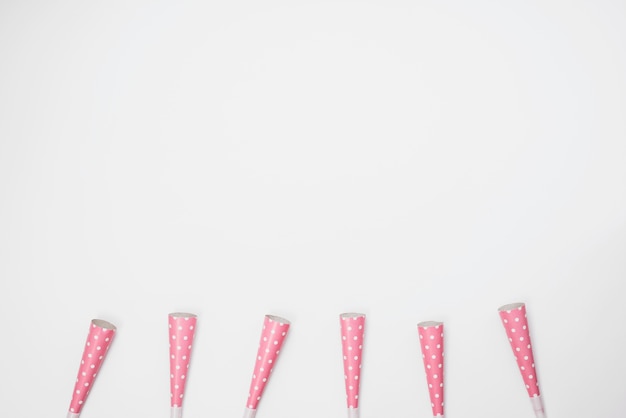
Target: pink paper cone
{"points": [[182, 328], [98, 342], [272, 337], [515, 323], [431, 341], [352, 333]]}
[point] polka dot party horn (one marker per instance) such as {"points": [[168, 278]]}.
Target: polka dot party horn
{"points": [[352, 333], [431, 340], [272, 338], [182, 328], [515, 323], [98, 342]]}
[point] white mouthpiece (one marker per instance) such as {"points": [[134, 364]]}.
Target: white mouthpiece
{"points": [[176, 412], [72, 415], [353, 412], [538, 406], [249, 413]]}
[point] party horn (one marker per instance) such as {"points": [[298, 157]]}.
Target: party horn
{"points": [[182, 328], [515, 323], [431, 341], [352, 332], [98, 342], [272, 338]]}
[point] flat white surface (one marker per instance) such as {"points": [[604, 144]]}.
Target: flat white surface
{"points": [[411, 160]]}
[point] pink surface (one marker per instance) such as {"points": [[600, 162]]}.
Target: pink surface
{"points": [[272, 337], [516, 326], [182, 328], [431, 340], [98, 342], [352, 331]]}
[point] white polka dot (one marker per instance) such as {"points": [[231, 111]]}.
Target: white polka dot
{"points": [[435, 376], [512, 329], [426, 347], [356, 357], [516, 319], [525, 357]]}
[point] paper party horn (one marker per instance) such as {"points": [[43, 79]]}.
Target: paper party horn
{"points": [[515, 323], [352, 332], [431, 340], [272, 337], [98, 342], [182, 328]]}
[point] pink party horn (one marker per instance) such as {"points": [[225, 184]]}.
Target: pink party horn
{"points": [[182, 328], [272, 337], [431, 341], [515, 323], [98, 342], [352, 332]]}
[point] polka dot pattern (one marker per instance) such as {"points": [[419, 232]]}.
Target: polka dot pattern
{"points": [[98, 342], [515, 323], [431, 341], [272, 338], [182, 328], [352, 334]]}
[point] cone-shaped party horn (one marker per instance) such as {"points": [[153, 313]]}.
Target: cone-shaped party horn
{"points": [[182, 328], [272, 337], [352, 332], [513, 318], [431, 341], [98, 342]]}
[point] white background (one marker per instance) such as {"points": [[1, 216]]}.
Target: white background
{"points": [[412, 160]]}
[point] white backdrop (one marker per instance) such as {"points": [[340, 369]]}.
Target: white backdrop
{"points": [[411, 160]]}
